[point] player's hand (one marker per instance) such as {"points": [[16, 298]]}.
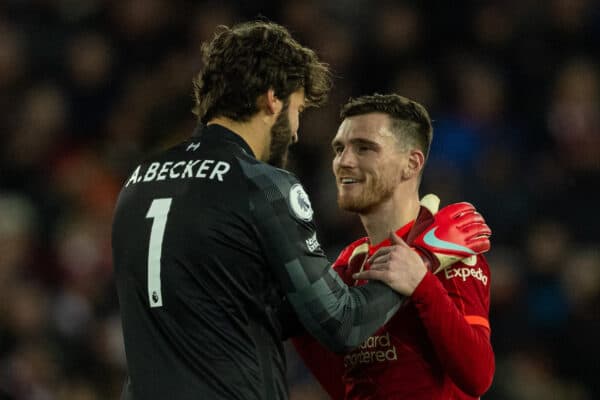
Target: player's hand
{"points": [[398, 266], [456, 232]]}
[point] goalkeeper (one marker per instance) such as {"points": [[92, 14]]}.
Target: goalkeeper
{"points": [[437, 346]]}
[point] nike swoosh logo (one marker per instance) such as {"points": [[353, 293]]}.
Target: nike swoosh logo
{"points": [[431, 240]]}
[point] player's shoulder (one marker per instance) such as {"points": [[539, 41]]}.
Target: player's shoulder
{"points": [[278, 187], [265, 177], [467, 273], [358, 246], [181, 151], [256, 169]]}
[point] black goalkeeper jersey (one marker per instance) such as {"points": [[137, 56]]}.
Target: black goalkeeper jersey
{"points": [[207, 243]]}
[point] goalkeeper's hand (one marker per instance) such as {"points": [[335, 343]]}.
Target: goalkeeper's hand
{"points": [[456, 232]]}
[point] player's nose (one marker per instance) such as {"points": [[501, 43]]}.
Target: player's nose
{"points": [[346, 158]]}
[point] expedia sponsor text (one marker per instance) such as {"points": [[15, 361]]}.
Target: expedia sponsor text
{"points": [[465, 272]]}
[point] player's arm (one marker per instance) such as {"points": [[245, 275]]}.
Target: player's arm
{"points": [[326, 366], [456, 320], [454, 310], [338, 316]]}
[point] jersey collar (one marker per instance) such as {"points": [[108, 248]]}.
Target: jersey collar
{"points": [[214, 132], [402, 232]]}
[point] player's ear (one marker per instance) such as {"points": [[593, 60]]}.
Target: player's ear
{"points": [[269, 102], [416, 161]]}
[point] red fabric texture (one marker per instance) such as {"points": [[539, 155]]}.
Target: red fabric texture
{"points": [[437, 346]]}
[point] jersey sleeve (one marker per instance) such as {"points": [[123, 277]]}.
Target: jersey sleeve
{"points": [[454, 308], [326, 366], [337, 316]]}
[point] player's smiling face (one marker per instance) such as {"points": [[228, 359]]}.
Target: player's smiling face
{"points": [[367, 162]]}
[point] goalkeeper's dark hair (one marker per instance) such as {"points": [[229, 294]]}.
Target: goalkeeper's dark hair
{"points": [[410, 121], [245, 61]]}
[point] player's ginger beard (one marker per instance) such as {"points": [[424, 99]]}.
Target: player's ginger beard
{"points": [[374, 192], [384, 204]]}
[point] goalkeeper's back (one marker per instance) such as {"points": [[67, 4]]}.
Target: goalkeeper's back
{"points": [[197, 303]]}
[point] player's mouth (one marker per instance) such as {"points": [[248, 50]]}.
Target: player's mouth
{"points": [[349, 181]]}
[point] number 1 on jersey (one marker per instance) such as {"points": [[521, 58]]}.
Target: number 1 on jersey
{"points": [[158, 211]]}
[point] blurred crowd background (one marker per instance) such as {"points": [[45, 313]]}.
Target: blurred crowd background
{"points": [[90, 87]]}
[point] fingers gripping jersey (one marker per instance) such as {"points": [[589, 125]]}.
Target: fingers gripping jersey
{"points": [[207, 241], [435, 347]]}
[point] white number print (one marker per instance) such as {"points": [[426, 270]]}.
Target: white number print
{"points": [[158, 211]]}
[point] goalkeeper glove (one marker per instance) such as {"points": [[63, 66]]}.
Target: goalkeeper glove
{"points": [[457, 232]]}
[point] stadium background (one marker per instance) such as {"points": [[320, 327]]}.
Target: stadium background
{"points": [[88, 87]]}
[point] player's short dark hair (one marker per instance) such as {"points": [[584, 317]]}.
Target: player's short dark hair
{"points": [[245, 61], [410, 121]]}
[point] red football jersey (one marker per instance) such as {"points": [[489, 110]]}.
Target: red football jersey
{"points": [[437, 346]]}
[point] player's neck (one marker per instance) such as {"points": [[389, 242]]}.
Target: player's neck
{"points": [[389, 216], [254, 132]]}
